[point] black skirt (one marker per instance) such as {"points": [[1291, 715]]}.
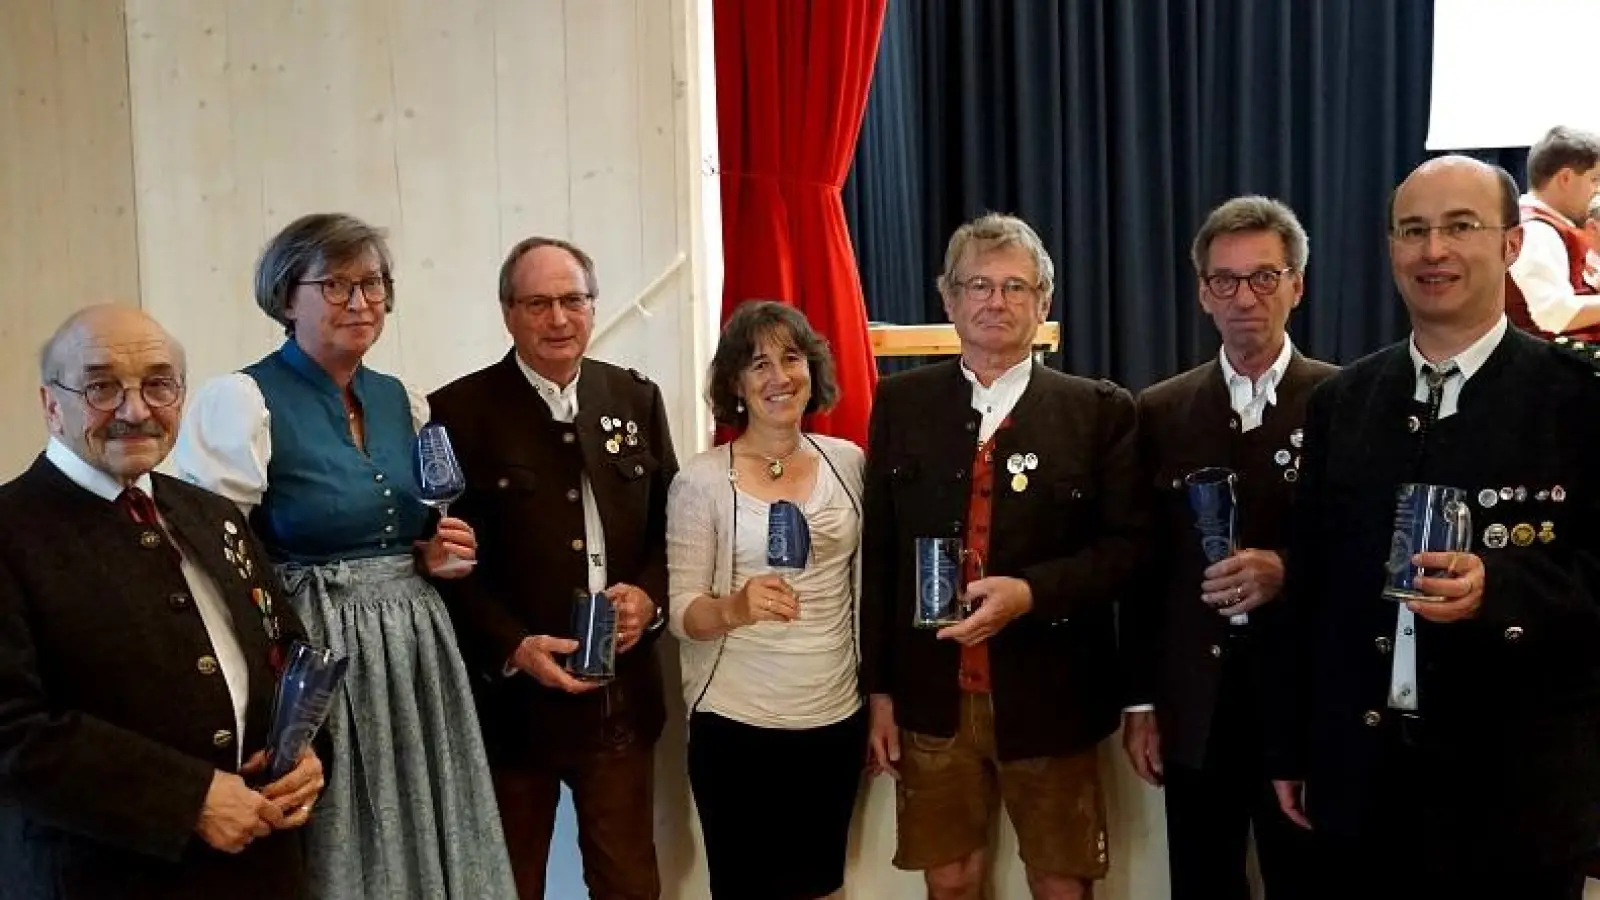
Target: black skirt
{"points": [[775, 804]]}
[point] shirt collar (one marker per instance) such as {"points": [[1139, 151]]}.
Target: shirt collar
{"points": [[548, 389], [1268, 382], [1015, 376], [1532, 199], [1467, 361], [96, 482]]}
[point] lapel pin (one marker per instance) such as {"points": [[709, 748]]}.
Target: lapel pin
{"points": [[1542, 496], [1015, 465], [1521, 494], [633, 428], [605, 423], [1558, 494], [1297, 438], [1507, 493], [1547, 532], [1522, 534], [230, 528], [1488, 497], [612, 446], [1495, 536], [1413, 424], [633, 440], [1281, 457], [1291, 475], [1019, 482], [1031, 461]]}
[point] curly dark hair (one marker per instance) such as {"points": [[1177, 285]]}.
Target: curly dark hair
{"points": [[752, 322]]}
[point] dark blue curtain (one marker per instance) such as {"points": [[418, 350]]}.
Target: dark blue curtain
{"points": [[1114, 126]]}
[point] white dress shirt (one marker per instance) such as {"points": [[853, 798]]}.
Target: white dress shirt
{"points": [[1250, 399], [207, 599], [563, 403], [1403, 675], [996, 401], [1544, 274]]}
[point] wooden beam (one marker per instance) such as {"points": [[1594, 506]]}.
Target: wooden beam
{"points": [[941, 340]]}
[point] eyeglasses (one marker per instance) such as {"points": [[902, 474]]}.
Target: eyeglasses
{"points": [[1452, 232], [1262, 282], [338, 291], [541, 304], [107, 395], [980, 289]]}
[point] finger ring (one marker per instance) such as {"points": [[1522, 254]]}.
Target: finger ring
{"points": [[1238, 593]]}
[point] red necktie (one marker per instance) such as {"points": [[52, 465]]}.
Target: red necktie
{"points": [[142, 509]]}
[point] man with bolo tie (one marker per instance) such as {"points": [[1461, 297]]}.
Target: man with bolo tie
{"points": [[1191, 629], [567, 461], [1446, 746], [1036, 473]]}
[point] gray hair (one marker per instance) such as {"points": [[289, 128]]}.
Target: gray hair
{"points": [[52, 367], [996, 231], [1252, 213], [311, 242], [528, 245]]}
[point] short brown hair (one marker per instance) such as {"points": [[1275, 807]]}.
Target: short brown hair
{"points": [[320, 239], [528, 245], [752, 321], [1252, 213], [1562, 148]]}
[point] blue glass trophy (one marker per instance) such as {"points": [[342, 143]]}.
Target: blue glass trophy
{"points": [[1215, 502], [310, 680], [440, 481], [788, 539], [940, 600], [1427, 517], [594, 627]]}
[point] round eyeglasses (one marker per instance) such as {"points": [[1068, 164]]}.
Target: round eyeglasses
{"points": [[106, 395]]}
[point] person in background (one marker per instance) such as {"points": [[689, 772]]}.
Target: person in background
{"points": [[318, 448], [1445, 747], [1553, 287], [1191, 633], [1037, 473], [769, 661], [568, 460], [137, 651]]}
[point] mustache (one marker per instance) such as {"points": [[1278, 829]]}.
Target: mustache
{"points": [[118, 429]]}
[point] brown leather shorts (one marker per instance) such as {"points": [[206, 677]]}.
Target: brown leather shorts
{"points": [[950, 787]]}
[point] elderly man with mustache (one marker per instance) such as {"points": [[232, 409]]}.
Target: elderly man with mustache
{"points": [[136, 651]]}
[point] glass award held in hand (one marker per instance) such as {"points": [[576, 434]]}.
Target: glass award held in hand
{"points": [[1427, 517], [941, 597], [788, 539], [594, 627], [440, 481], [311, 679], [1215, 502]]}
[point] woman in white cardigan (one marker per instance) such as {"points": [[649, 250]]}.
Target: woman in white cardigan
{"points": [[776, 728]]}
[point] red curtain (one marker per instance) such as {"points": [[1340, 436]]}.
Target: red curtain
{"points": [[792, 80]]}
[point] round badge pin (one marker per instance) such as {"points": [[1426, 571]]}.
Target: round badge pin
{"points": [[605, 423], [1031, 461], [1019, 482], [1297, 438], [1282, 457], [1014, 464], [1522, 534], [1291, 475], [1521, 494], [1488, 497], [1413, 424], [1495, 536], [1507, 493], [633, 427]]}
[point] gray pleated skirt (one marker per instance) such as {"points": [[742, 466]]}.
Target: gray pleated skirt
{"points": [[409, 811]]}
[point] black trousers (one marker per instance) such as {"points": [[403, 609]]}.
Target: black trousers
{"points": [[1212, 810], [1396, 860]]}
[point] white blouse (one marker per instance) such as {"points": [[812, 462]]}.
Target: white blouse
{"points": [[225, 442], [792, 675]]}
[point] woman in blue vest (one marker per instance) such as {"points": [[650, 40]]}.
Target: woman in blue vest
{"points": [[318, 449]]}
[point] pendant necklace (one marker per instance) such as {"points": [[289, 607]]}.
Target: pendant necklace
{"points": [[775, 463]]}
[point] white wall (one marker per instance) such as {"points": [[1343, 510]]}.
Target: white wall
{"points": [[147, 159]]}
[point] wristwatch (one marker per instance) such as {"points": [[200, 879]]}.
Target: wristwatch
{"points": [[658, 622]]}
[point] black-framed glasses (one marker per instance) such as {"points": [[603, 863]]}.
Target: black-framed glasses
{"points": [[338, 291], [1262, 282], [1415, 233], [979, 289], [541, 304], [108, 395]]}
